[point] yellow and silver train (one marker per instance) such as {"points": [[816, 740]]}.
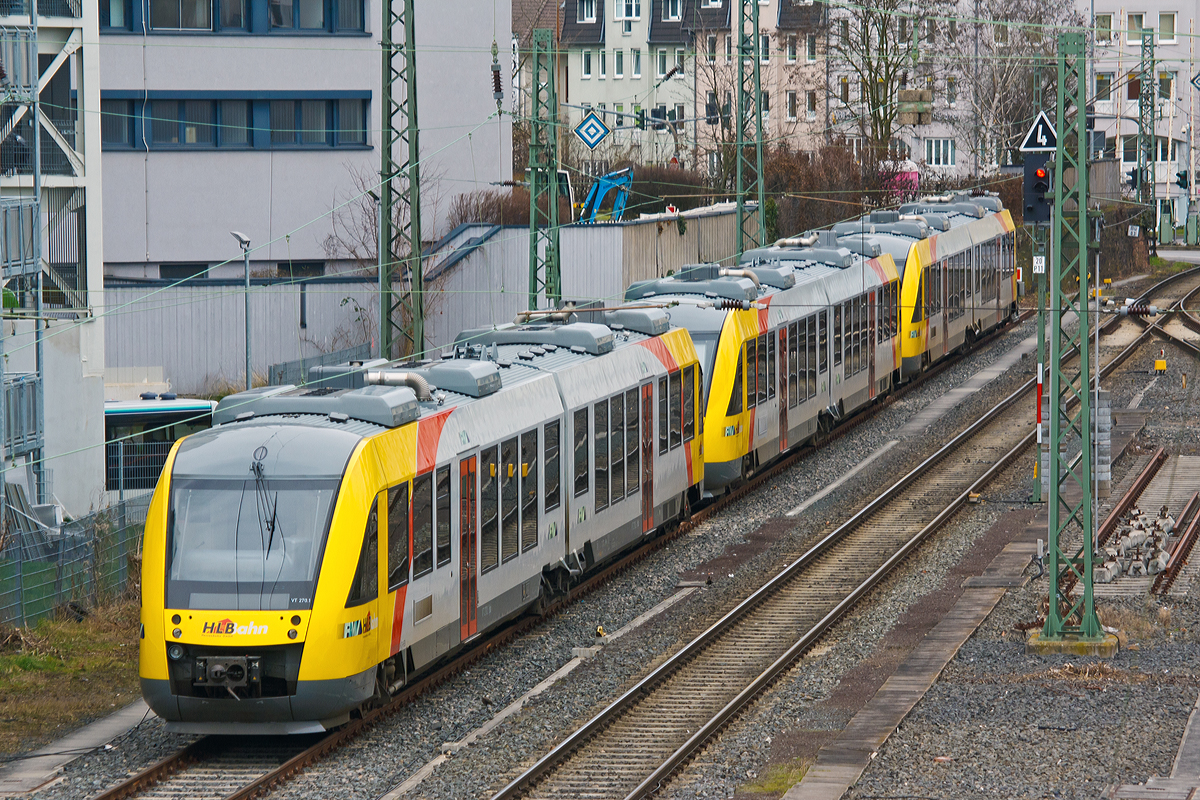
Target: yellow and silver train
{"points": [[320, 545]]}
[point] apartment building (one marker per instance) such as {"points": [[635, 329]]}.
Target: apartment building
{"points": [[622, 58], [1117, 86]]}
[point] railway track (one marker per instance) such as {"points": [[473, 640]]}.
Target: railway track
{"points": [[190, 772], [633, 746]]}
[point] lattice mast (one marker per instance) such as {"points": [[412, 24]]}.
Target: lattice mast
{"points": [[1070, 498], [545, 275], [401, 313], [1145, 135], [751, 231]]}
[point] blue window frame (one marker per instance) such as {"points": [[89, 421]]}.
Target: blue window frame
{"points": [[115, 14], [234, 16], [315, 15], [315, 123], [116, 124], [198, 123]]}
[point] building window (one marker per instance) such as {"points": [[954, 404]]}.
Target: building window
{"points": [[713, 3], [1135, 28], [930, 30], [764, 49], [1166, 81], [116, 123], [637, 62], [939, 152], [1133, 86], [1000, 33], [811, 50], [620, 115], [729, 48], [114, 14], [680, 117], [1166, 28], [199, 123], [662, 63], [179, 272], [845, 31], [1104, 27], [792, 104], [318, 123], [232, 14], [181, 15], [952, 31], [791, 50], [618, 63], [679, 56], [1104, 85], [712, 48], [811, 105], [1129, 149], [951, 90], [300, 269], [586, 69], [626, 9], [602, 55], [586, 11], [845, 89], [671, 10], [309, 15], [929, 86]]}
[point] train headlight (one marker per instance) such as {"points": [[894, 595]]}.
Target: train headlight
{"points": [[175, 652], [292, 634], [177, 633]]}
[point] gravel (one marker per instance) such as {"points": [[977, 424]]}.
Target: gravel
{"points": [[395, 748]]}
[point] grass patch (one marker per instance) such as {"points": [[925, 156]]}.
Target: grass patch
{"points": [[778, 778], [1162, 266], [62, 673]]}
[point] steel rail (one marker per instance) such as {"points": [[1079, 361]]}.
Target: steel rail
{"points": [[1179, 554]]}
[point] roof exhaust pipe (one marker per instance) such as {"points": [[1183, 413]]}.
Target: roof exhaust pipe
{"points": [[727, 272], [413, 380], [797, 241], [560, 315]]}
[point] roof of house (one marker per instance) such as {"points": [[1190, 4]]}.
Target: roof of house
{"points": [[665, 31], [576, 32], [800, 14]]}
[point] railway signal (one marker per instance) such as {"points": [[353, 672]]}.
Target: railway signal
{"points": [[1181, 179], [1036, 189]]}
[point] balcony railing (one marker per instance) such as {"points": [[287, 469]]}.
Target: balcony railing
{"points": [[46, 8], [21, 431]]}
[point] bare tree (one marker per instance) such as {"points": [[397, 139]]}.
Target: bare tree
{"points": [[1012, 77]]}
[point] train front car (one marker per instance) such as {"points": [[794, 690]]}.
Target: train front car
{"points": [[245, 567]]}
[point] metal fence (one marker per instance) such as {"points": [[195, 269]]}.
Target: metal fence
{"points": [[132, 468], [296, 372], [87, 561]]}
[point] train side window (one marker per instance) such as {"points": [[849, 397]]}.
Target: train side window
{"points": [[735, 396], [509, 517], [616, 447], [489, 509], [822, 342], [553, 466], [581, 451], [365, 587], [854, 345], [864, 332], [529, 490], [633, 443], [837, 334], [397, 536], [664, 422], [771, 366], [443, 516], [689, 403], [751, 373], [422, 516], [676, 410], [600, 420]]}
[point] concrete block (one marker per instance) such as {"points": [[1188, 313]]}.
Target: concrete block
{"points": [[1105, 647]]}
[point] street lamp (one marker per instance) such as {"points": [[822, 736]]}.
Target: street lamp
{"points": [[244, 241]]}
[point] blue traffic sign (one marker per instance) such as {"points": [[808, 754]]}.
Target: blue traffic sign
{"points": [[592, 130]]}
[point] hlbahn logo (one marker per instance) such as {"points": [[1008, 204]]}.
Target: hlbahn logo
{"points": [[360, 626], [226, 628]]}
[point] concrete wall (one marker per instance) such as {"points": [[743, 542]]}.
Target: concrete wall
{"points": [[195, 332], [74, 403]]}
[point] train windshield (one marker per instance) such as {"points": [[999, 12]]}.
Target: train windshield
{"points": [[246, 544], [706, 351]]}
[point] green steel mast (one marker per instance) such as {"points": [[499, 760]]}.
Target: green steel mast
{"points": [[545, 276], [751, 231], [1070, 512], [399, 204]]}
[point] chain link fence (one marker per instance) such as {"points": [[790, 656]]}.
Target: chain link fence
{"points": [[45, 569]]}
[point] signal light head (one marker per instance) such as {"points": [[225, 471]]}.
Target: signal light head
{"points": [[1040, 172]]}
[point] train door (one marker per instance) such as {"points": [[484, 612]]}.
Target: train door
{"points": [[871, 339], [944, 282], [647, 457], [782, 394], [468, 564]]}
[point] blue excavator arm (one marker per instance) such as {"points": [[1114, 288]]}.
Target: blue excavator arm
{"points": [[621, 181]]}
